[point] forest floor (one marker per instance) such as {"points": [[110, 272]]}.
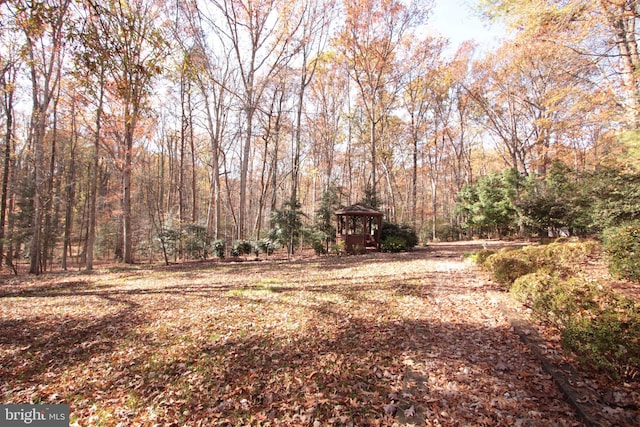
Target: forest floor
{"points": [[415, 338]]}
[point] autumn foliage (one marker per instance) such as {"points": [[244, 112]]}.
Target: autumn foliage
{"points": [[363, 340]]}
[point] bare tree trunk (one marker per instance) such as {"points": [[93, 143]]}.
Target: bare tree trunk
{"points": [[215, 198], [264, 186], [274, 173], [8, 90], [184, 136], [45, 72], [374, 160], [265, 41], [181, 166], [127, 238], [244, 172], [414, 182], [194, 176], [297, 140], [70, 192], [35, 253], [52, 192], [93, 179], [434, 208]]}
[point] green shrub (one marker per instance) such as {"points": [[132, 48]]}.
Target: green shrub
{"points": [[622, 246], [319, 247], [241, 247], [357, 249], [266, 246], [317, 239], [605, 333], [529, 288], [219, 247], [480, 257], [600, 327], [569, 254], [567, 300], [196, 241], [393, 244], [608, 341], [401, 232], [448, 232], [507, 266], [169, 238], [562, 258], [537, 257], [338, 248]]}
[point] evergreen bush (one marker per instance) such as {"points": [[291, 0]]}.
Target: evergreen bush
{"points": [[599, 326], [317, 239], [242, 247], [529, 288], [622, 246], [403, 235], [266, 246], [507, 266], [195, 241], [393, 244], [480, 257], [219, 247]]}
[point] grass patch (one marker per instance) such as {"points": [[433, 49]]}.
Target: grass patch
{"points": [[253, 291]]}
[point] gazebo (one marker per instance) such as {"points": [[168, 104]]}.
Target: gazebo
{"points": [[359, 227]]}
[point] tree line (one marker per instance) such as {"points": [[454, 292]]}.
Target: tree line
{"points": [[128, 122]]}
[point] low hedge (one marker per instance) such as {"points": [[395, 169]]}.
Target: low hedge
{"points": [[528, 289], [506, 268], [599, 326]]}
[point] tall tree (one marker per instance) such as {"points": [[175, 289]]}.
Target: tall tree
{"points": [[422, 69], [309, 40], [212, 84], [70, 178], [326, 111], [260, 49], [131, 33], [604, 31], [532, 97], [43, 25], [10, 65], [90, 73], [213, 75], [373, 35], [272, 132]]}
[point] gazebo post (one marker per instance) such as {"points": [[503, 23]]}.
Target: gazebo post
{"points": [[379, 233]]}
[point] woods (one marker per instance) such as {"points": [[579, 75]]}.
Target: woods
{"points": [[136, 130]]}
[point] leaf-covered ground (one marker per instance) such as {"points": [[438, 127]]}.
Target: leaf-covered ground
{"points": [[376, 339]]}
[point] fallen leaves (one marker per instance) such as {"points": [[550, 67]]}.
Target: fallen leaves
{"points": [[373, 340]]}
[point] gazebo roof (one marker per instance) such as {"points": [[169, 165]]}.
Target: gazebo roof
{"points": [[359, 209]]}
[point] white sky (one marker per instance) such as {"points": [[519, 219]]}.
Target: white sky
{"points": [[457, 21]]}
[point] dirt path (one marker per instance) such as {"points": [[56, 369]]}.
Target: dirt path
{"points": [[378, 339]]}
